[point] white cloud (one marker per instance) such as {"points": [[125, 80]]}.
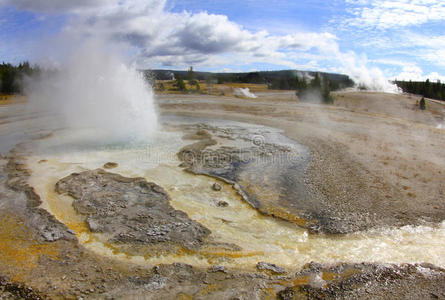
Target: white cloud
{"points": [[392, 62], [428, 48], [414, 73], [182, 38], [384, 14], [158, 36]]}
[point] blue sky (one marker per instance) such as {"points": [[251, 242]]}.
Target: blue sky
{"points": [[366, 39]]}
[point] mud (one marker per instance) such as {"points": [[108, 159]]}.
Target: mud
{"points": [[130, 210]]}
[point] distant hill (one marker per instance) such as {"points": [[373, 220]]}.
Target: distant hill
{"points": [[284, 79]]}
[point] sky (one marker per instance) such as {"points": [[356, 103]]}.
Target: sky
{"points": [[368, 40]]}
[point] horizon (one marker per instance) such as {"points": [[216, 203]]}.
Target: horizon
{"points": [[369, 40]]}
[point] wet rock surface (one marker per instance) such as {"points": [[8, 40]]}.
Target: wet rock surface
{"points": [[130, 210], [264, 266], [48, 228], [269, 176], [111, 165], [216, 187]]}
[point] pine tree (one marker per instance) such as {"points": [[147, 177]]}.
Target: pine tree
{"points": [[422, 104], [190, 74], [179, 84], [326, 93], [316, 82]]}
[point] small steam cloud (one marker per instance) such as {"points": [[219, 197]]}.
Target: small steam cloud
{"points": [[94, 92], [244, 93]]}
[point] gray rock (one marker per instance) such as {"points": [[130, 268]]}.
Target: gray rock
{"points": [[111, 165], [215, 269], [263, 266], [156, 282], [51, 234], [93, 225], [222, 204], [130, 210], [216, 187]]}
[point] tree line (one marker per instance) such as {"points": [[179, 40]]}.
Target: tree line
{"points": [[11, 77], [433, 90], [282, 80], [300, 82]]}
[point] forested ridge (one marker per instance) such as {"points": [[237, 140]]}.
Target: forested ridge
{"points": [[433, 90]]}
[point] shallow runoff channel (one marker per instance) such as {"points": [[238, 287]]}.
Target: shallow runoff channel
{"points": [[261, 238]]}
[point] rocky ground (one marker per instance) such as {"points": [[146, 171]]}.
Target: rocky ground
{"points": [[370, 169]]}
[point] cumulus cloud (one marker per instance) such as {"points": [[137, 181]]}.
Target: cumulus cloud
{"points": [[158, 36], [184, 38], [175, 38], [416, 47], [401, 33]]}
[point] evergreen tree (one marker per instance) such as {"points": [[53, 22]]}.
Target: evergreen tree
{"points": [[190, 74], [179, 84], [326, 96], [422, 104], [300, 83], [316, 82]]}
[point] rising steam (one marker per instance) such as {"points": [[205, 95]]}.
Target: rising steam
{"points": [[94, 92], [371, 78], [240, 92]]}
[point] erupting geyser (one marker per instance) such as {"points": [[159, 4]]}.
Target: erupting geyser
{"points": [[94, 92]]}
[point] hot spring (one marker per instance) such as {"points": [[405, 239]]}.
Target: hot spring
{"points": [[261, 238]]}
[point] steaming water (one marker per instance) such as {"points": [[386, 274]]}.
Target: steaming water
{"points": [[94, 91], [261, 238]]}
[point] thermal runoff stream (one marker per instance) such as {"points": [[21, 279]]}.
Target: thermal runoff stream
{"points": [[258, 237]]}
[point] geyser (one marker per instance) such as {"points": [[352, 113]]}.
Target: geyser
{"points": [[95, 93]]}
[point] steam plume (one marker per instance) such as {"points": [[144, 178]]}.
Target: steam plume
{"points": [[94, 91]]}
